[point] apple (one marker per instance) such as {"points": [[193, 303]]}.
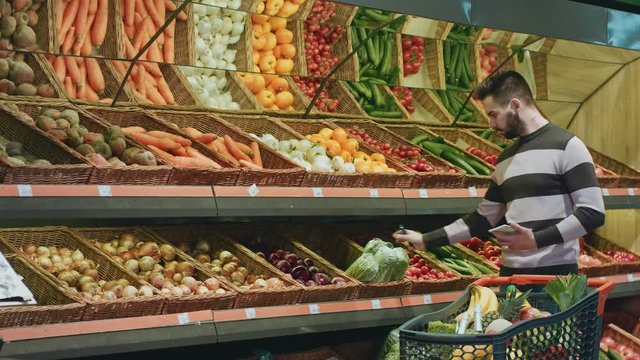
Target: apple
{"points": [[528, 313]]}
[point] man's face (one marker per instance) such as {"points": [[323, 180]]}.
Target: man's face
{"points": [[503, 118]]}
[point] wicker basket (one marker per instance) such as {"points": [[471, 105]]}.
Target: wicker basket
{"points": [[112, 46], [607, 266], [44, 37], [628, 176], [179, 175], [255, 264], [239, 93], [67, 167], [172, 304], [342, 253], [132, 174], [340, 48], [453, 135], [403, 178], [441, 179], [56, 304], [432, 286], [270, 240], [277, 171], [263, 125], [622, 337], [108, 269], [43, 75], [411, 131], [464, 280], [601, 244], [429, 108]]}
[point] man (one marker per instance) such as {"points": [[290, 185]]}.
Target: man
{"points": [[544, 186]]}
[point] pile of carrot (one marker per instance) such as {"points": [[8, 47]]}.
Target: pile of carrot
{"points": [[172, 148], [235, 153], [81, 25], [141, 19], [80, 77]]}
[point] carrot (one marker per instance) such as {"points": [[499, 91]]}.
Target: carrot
{"points": [[190, 162], [177, 138], [140, 8], [68, 40], [99, 29], [207, 138], [138, 39], [72, 68], [233, 148], [81, 18], [169, 5], [165, 91], [129, 11], [120, 67], [154, 96], [193, 132], [170, 30], [87, 47], [140, 78], [161, 8], [244, 148], [169, 51], [94, 75], [153, 12], [163, 154], [180, 152], [69, 87], [133, 129], [142, 97], [257, 159], [68, 17], [61, 6], [82, 84], [250, 165], [163, 144], [182, 16], [154, 53], [224, 152], [90, 94], [60, 68], [129, 49], [198, 155]]}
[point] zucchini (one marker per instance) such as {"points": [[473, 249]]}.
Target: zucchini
{"points": [[457, 161], [483, 269], [352, 90]]}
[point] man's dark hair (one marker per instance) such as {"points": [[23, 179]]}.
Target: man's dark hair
{"points": [[504, 86]]}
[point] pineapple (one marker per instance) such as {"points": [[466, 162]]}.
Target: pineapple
{"points": [[508, 308]]}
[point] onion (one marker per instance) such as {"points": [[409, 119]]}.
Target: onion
{"points": [[93, 273], [77, 256], [87, 296], [310, 283], [115, 243], [171, 266], [123, 282], [109, 249], [202, 290], [168, 273], [338, 281], [126, 255], [109, 296], [244, 271], [203, 247], [66, 259], [185, 268], [45, 261], [127, 243], [237, 277], [212, 284], [129, 292], [274, 283], [84, 279], [128, 237], [56, 259], [132, 265], [321, 278], [185, 289], [149, 248], [225, 256], [157, 281], [216, 269], [118, 259], [165, 292], [145, 290], [109, 285], [190, 282], [177, 278], [157, 268], [220, 292], [168, 252], [260, 284], [90, 287], [121, 249], [43, 251], [29, 249], [68, 278], [176, 291], [203, 258], [167, 285], [81, 265], [146, 263]]}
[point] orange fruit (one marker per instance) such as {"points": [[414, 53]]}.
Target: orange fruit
{"points": [[339, 135], [266, 98], [256, 57], [257, 40], [316, 138], [257, 29], [277, 23], [284, 66], [326, 133], [350, 145], [346, 156], [258, 19], [265, 52], [284, 36], [288, 9], [284, 99], [270, 41], [286, 51], [258, 84], [378, 157], [274, 107], [333, 147], [278, 84], [273, 6], [267, 63]]}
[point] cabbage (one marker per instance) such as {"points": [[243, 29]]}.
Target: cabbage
{"points": [[365, 268], [391, 348], [374, 244]]}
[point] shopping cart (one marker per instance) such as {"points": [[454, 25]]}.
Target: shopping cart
{"points": [[571, 334]]}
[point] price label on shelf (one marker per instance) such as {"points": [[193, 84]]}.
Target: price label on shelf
{"points": [[253, 190], [250, 313], [375, 304], [183, 318], [473, 192], [373, 193], [423, 193], [605, 191], [104, 190], [317, 192], [631, 192], [426, 299], [630, 278], [25, 191], [314, 309]]}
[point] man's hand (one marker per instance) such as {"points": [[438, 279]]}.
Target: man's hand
{"points": [[409, 238], [521, 240]]}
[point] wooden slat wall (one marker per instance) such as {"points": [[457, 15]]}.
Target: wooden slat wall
{"points": [[610, 123]]}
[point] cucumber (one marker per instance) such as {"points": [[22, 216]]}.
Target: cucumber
{"points": [[376, 15], [447, 51], [455, 51], [486, 133], [363, 70], [386, 114], [362, 90], [385, 66], [372, 80], [460, 64], [419, 139], [378, 99], [432, 148], [483, 269], [457, 161], [478, 166], [442, 252], [613, 355]]}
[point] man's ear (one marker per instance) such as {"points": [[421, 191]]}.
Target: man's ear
{"points": [[516, 104]]}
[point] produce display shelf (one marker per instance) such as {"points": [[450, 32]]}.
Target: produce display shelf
{"points": [[121, 201], [111, 336]]}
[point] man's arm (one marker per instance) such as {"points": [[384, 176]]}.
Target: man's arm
{"points": [[578, 174], [489, 212]]}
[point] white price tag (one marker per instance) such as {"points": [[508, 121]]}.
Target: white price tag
{"points": [[253, 190], [104, 190], [423, 193], [473, 192], [631, 192], [630, 278], [250, 313], [25, 191], [317, 192], [373, 193], [314, 309], [605, 191], [183, 318], [426, 298], [375, 304]]}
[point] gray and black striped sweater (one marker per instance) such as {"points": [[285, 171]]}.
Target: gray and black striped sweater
{"points": [[545, 181]]}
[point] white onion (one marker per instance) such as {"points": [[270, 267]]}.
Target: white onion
{"points": [[129, 292], [43, 251], [177, 291], [165, 292], [220, 292], [45, 261], [109, 296], [185, 290], [145, 290], [202, 290]]}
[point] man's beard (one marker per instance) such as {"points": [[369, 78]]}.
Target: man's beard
{"points": [[514, 127]]}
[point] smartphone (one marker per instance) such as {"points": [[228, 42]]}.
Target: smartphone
{"points": [[506, 228]]}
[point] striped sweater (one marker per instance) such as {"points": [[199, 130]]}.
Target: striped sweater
{"points": [[544, 181]]}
